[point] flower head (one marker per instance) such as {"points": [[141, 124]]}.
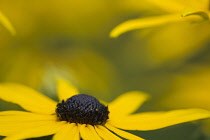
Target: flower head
{"points": [[79, 116], [83, 109], [175, 29]]}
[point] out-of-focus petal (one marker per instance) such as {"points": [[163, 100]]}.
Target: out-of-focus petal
{"points": [[144, 23], [6, 23], [179, 41], [171, 6], [197, 7]]}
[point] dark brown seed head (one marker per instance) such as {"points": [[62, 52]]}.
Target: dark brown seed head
{"points": [[83, 109]]}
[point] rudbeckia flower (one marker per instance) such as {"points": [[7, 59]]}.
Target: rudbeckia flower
{"points": [[6, 23], [79, 116]]}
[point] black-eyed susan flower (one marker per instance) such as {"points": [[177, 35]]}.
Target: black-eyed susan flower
{"points": [[79, 116]]}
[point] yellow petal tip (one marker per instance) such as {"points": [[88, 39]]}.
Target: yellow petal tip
{"points": [[6, 23], [113, 34]]}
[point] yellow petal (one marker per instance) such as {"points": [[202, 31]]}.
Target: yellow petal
{"points": [[143, 23], [27, 98], [159, 120], [197, 7], [123, 133], [15, 113], [127, 103], [14, 127], [93, 131], [106, 133], [172, 6], [103, 135], [6, 23], [84, 132], [193, 11], [87, 134], [7, 117], [65, 89], [202, 5], [38, 131], [149, 22], [68, 132], [77, 134]]}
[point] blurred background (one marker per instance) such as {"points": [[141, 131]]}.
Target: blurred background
{"points": [[70, 39]]}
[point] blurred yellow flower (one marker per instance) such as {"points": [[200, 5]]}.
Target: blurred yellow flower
{"points": [[58, 38], [82, 116], [6, 23], [176, 12], [182, 28], [35, 66]]}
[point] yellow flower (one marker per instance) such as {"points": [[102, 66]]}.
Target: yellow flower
{"points": [[82, 116], [75, 64], [176, 11], [181, 28], [6, 23]]}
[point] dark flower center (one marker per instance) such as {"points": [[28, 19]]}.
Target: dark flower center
{"points": [[83, 109]]}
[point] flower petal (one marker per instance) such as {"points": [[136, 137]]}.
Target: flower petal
{"points": [[143, 23], [172, 6], [147, 22], [6, 23], [106, 134], [77, 134], [38, 131], [123, 133], [157, 120], [15, 113], [12, 127], [65, 89], [86, 133], [93, 131], [103, 135], [127, 103], [27, 98], [7, 117], [196, 7], [68, 132]]}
